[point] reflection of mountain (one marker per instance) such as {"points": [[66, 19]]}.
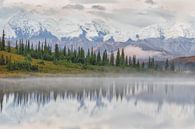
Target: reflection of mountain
{"points": [[102, 94]]}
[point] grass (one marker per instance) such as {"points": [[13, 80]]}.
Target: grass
{"points": [[44, 66]]}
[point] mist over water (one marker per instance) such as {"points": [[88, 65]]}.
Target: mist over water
{"points": [[97, 103]]}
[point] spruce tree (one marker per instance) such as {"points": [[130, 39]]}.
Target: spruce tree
{"points": [[138, 64], [92, 57], [32, 47], [0, 44], [64, 52], [88, 57], [105, 58], [2, 60], [126, 61], [123, 57], [167, 64], [3, 41], [112, 58], [82, 56], [134, 61], [99, 58], [28, 46], [172, 67], [16, 46], [149, 62], [118, 58], [143, 65], [130, 61], [39, 46], [57, 53], [152, 63], [8, 47]]}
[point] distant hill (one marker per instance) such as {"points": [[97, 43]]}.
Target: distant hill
{"points": [[190, 59], [188, 63]]}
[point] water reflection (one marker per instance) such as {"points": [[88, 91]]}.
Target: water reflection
{"points": [[97, 103]]}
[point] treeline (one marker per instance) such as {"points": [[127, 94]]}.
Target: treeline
{"points": [[44, 51]]}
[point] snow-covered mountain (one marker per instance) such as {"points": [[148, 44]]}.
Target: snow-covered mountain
{"points": [[81, 30], [167, 30], [27, 25]]}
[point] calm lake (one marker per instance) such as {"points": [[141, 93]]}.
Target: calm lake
{"points": [[97, 103]]}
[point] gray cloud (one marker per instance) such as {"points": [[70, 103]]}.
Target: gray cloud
{"points": [[139, 13], [98, 7], [149, 2], [76, 6], [94, 1], [7, 11], [162, 13], [135, 17], [1, 2]]}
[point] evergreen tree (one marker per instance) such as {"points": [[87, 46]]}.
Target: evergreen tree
{"points": [[143, 65], [92, 57], [2, 60], [16, 46], [152, 63], [0, 44], [112, 58], [8, 47], [57, 53], [118, 58], [3, 41], [99, 61], [88, 57], [130, 61], [64, 52], [49, 50], [138, 64], [134, 61], [105, 58], [126, 61], [122, 57], [167, 64], [82, 56], [22, 47], [32, 47], [172, 67], [149, 62], [39, 46], [28, 46]]}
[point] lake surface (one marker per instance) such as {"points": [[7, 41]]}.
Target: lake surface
{"points": [[97, 103]]}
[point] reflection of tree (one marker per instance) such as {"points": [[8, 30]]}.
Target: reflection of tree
{"points": [[136, 90], [1, 100]]}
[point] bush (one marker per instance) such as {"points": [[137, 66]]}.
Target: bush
{"points": [[41, 62], [25, 66]]}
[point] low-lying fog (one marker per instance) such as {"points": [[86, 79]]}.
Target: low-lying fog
{"points": [[125, 102]]}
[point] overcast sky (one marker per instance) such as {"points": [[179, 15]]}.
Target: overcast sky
{"points": [[139, 13]]}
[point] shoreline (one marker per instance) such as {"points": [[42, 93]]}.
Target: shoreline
{"points": [[19, 74]]}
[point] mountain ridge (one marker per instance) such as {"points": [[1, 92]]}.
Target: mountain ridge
{"points": [[167, 39]]}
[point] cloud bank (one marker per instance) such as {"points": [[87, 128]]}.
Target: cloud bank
{"points": [[138, 13]]}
